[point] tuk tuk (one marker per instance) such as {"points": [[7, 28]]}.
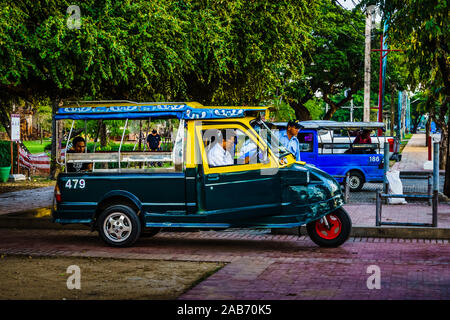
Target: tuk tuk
{"points": [[258, 184], [335, 148]]}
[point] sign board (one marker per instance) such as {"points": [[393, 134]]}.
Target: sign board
{"points": [[15, 127]]}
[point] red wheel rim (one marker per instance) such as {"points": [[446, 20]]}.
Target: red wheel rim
{"points": [[334, 230]]}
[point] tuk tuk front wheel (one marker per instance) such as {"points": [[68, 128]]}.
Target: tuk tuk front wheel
{"points": [[333, 232]]}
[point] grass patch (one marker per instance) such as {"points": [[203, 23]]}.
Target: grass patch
{"points": [[35, 146], [45, 278]]}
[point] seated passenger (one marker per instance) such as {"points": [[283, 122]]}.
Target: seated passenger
{"points": [[363, 137], [78, 146], [219, 152]]}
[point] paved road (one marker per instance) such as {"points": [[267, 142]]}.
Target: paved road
{"points": [[266, 266]]}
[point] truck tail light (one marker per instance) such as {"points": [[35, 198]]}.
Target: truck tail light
{"points": [[57, 194], [381, 165]]}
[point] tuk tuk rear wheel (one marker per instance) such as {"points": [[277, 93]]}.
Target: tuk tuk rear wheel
{"points": [[119, 226], [333, 235], [356, 181]]}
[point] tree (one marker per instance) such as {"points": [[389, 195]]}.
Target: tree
{"points": [[216, 52], [334, 62], [240, 46], [422, 29]]}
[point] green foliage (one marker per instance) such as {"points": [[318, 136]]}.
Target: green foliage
{"points": [[215, 52], [421, 30], [5, 153], [334, 60], [316, 108], [280, 111]]}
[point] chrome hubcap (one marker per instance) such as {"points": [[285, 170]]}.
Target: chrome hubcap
{"points": [[117, 227], [354, 182]]}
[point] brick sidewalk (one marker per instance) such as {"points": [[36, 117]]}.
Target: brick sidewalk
{"points": [[264, 266]]}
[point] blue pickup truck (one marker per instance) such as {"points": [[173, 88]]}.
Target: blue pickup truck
{"points": [[331, 147]]}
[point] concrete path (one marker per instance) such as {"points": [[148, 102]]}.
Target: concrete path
{"points": [[26, 200], [414, 155]]}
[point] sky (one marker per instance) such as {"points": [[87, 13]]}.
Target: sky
{"points": [[348, 4]]}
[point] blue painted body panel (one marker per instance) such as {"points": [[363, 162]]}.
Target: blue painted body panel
{"points": [[340, 164]]}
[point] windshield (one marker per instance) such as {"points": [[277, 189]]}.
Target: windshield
{"points": [[271, 137]]}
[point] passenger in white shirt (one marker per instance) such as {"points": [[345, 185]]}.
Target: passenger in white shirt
{"points": [[219, 153]]}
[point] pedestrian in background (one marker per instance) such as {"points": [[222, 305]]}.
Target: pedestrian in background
{"points": [[154, 143]]}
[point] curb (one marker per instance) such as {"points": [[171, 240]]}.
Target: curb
{"points": [[357, 231], [383, 232]]}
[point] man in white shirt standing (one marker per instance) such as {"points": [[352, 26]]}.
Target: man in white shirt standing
{"points": [[219, 153]]}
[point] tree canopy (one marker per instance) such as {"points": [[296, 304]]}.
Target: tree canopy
{"points": [[421, 29], [212, 51]]}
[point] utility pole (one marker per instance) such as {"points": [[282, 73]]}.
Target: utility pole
{"points": [[368, 33], [383, 53], [351, 110]]}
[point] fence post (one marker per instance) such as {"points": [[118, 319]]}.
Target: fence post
{"points": [[386, 167], [429, 190], [347, 187], [378, 209], [435, 182], [429, 147]]}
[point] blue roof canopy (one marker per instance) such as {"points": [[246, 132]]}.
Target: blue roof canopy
{"points": [[330, 125], [113, 111]]}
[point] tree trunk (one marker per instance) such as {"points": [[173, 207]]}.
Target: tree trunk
{"points": [[5, 121], [335, 106], [416, 123], [330, 112], [301, 112], [392, 110], [447, 166], [54, 168], [427, 130], [103, 137], [443, 146]]}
